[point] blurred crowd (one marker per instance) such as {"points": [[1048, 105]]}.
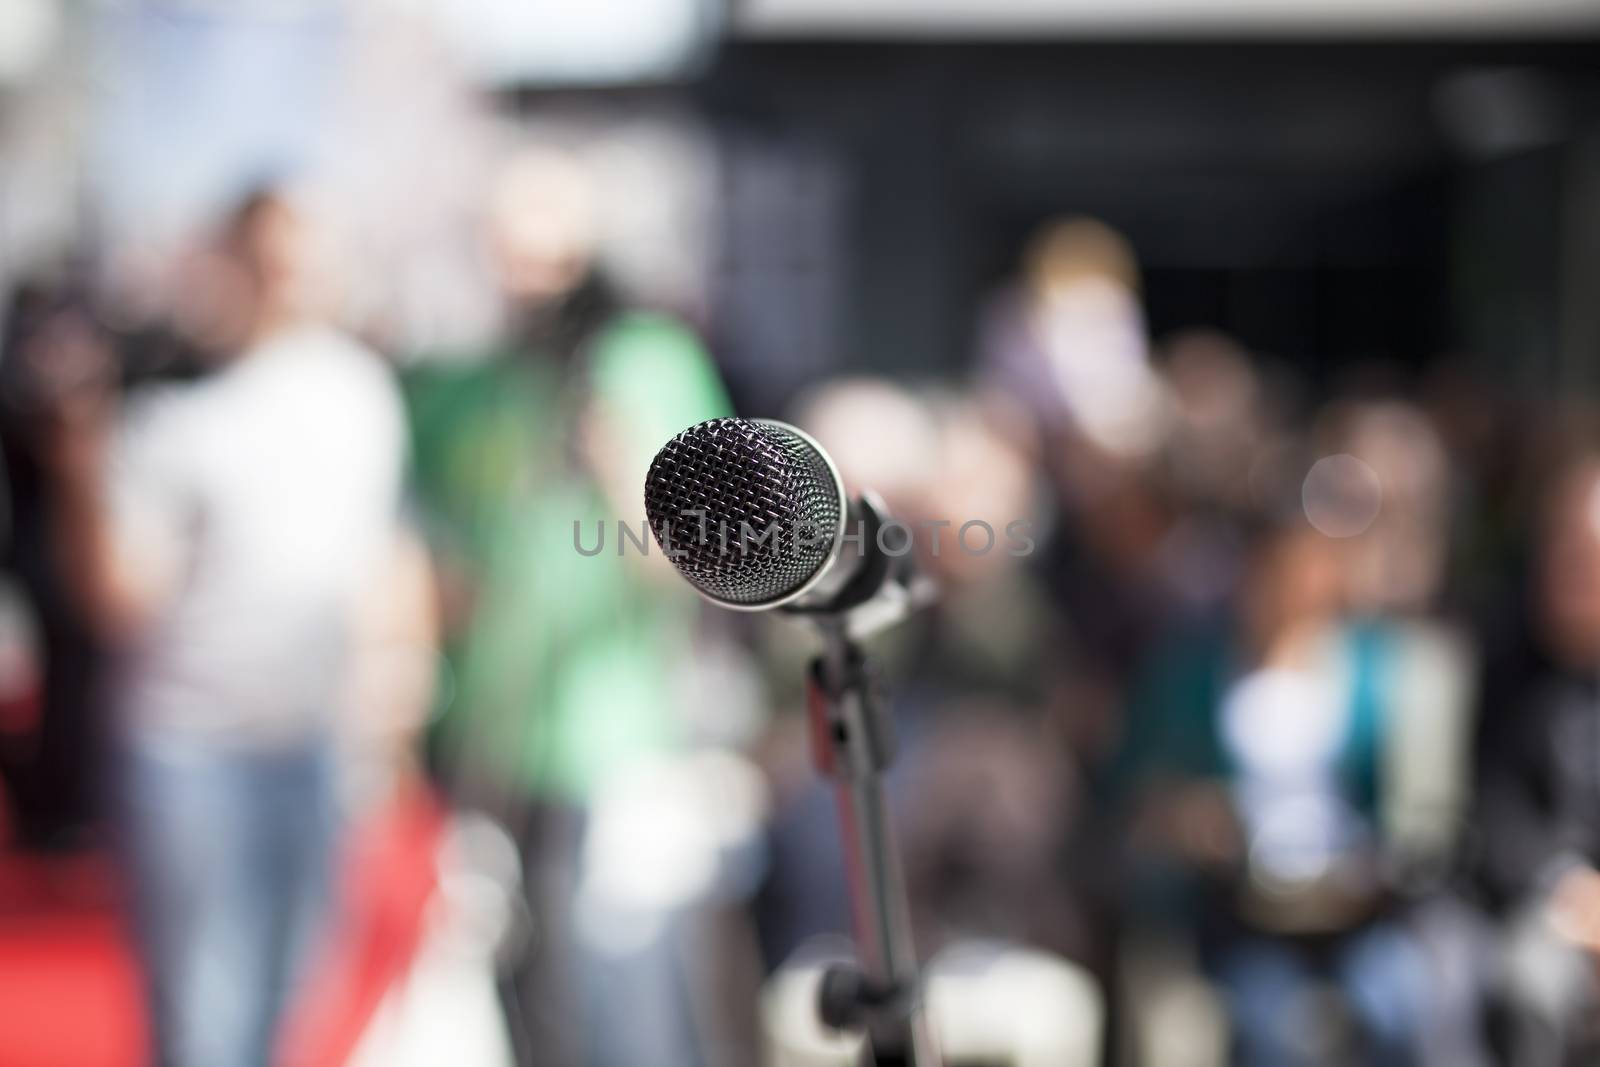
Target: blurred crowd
{"points": [[1286, 733]]}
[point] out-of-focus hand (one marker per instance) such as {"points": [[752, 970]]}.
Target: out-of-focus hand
{"points": [[1574, 908]]}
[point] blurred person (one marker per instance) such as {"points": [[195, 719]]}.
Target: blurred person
{"points": [[1539, 804], [60, 334], [1383, 489], [1384, 486], [1253, 773], [1067, 342], [1066, 346], [1223, 419], [51, 767], [985, 788], [1121, 572], [1219, 415], [221, 534], [566, 671]]}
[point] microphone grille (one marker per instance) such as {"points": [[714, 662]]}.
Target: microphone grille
{"points": [[745, 475]]}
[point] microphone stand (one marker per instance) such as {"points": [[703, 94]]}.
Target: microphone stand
{"points": [[852, 742]]}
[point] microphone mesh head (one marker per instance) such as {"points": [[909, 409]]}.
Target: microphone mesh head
{"points": [[745, 476]]}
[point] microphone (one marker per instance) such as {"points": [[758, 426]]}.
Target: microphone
{"points": [[753, 513]]}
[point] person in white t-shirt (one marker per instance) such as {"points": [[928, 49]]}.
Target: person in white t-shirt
{"points": [[222, 532]]}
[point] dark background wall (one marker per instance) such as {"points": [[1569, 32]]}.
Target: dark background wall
{"points": [[1332, 204]]}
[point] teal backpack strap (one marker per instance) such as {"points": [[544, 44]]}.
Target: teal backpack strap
{"points": [[1370, 646]]}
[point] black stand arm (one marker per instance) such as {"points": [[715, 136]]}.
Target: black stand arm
{"points": [[852, 743]]}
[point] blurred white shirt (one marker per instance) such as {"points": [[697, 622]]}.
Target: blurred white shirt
{"points": [[266, 496]]}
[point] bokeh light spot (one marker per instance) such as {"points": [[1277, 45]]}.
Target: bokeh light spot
{"points": [[1342, 495]]}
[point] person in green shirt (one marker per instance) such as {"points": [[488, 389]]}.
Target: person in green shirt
{"points": [[560, 664]]}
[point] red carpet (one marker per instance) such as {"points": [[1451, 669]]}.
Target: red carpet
{"points": [[69, 992]]}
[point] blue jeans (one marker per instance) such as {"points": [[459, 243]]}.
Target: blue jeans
{"points": [[228, 858], [1379, 972]]}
